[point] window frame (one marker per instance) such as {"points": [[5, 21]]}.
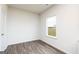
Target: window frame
{"points": [[47, 28]]}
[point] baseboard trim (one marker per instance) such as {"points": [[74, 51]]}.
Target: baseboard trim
{"points": [[23, 42], [54, 47]]}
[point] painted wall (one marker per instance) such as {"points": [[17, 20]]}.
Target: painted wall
{"points": [[3, 29], [67, 27], [0, 27], [22, 26]]}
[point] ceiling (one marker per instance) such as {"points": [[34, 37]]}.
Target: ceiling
{"points": [[35, 8]]}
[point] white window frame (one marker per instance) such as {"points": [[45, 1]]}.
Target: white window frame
{"points": [[47, 29]]}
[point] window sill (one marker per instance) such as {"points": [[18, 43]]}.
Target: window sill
{"points": [[51, 36]]}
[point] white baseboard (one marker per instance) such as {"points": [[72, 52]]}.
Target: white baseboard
{"points": [[56, 47]]}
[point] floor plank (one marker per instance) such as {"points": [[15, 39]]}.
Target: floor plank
{"points": [[34, 47]]}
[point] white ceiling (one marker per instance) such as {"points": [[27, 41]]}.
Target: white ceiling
{"points": [[35, 8]]}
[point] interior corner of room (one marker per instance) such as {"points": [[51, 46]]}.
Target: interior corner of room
{"points": [[28, 23]]}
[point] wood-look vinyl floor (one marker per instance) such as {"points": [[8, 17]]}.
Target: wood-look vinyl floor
{"points": [[34, 47]]}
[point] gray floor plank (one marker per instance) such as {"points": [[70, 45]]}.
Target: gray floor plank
{"points": [[34, 47]]}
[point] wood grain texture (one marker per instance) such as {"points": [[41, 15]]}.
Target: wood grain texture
{"points": [[34, 47]]}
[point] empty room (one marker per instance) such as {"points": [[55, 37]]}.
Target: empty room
{"points": [[39, 29]]}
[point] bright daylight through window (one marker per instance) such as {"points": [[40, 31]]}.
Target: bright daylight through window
{"points": [[51, 26]]}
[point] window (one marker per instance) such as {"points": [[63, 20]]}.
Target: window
{"points": [[51, 26]]}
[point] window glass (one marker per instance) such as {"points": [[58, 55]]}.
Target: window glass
{"points": [[51, 26]]}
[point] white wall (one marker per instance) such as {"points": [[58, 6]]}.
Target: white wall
{"points": [[3, 17], [0, 27], [22, 26], [67, 27]]}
